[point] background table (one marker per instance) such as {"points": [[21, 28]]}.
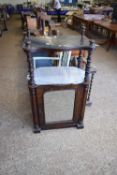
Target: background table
{"points": [[111, 29]]}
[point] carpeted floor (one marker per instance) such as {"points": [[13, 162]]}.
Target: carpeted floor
{"points": [[91, 151]]}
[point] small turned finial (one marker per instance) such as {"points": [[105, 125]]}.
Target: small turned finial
{"points": [[83, 30]]}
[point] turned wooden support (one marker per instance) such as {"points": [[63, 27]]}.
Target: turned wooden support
{"points": [[88, 64], [28, 33], [83, 29], [30, 61], [93, 72], [31, 70]]}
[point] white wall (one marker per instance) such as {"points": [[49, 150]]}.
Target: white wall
{"points": [[14, 2]]}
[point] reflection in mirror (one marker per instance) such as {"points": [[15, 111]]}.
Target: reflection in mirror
{"points": [[59, 105]]}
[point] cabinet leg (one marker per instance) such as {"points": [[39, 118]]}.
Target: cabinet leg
{"points": [[36, 129], [80, 125]]}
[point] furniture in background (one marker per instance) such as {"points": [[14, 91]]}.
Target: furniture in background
{"points": [[111, 29], [10, 9], [41, 24], [46, 79], [37, 25], [32, 25], [23, 16], [22, 8], [87, 20]]}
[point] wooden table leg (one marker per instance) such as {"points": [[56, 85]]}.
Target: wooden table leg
{"points": [[112, 41]]}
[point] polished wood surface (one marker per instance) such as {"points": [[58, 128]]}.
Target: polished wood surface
{"points": [[59, 42], [112, 27]]}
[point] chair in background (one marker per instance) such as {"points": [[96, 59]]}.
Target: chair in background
{"points": [[32, 27], [44, 24], [3, 19], [46, 79]]}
